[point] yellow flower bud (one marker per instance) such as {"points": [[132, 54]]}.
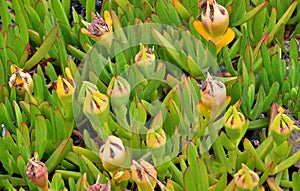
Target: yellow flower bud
{"points": [[65, 88], [246, 179], [215, 18], [281, 125], [144, 175], [112, 154], [281, 128], [155, 138], [213, 95], [96, 103], [37, 172], [234, 123], [21, 80], [119, 91]]}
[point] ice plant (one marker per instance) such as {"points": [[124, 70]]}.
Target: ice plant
{"points": [[144, 175], [213, 95], [214, 25], [281, 125], [234, 123], [37, 172], [21, 80], [112, 154], [99, 29], [246, 179]]}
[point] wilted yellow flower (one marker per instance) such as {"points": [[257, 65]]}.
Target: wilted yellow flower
{"points": [[65, 88], [214, 25], [144, 175], [145, 53], [99, 29], [213, 95], [21, 80]]}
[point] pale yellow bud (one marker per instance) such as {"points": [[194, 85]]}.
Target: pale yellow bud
{"points": [[112, 154]]}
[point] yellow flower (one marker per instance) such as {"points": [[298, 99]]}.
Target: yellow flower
{"points": [[214, 25], [144, 175], [99, 29]]}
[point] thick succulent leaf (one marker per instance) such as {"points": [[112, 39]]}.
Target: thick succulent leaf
{"points": [[245, 17], [58, 155], [43, 49]]}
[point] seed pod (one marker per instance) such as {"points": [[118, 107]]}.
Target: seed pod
{"points": [[112, 154], [119, 91], [213, 95], [215, 18], [234, 123], [246, 179], [144, 175], [21, 80], [37, 172]]}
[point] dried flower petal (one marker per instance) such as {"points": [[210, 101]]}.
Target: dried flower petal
{"points": [[37, 172]]}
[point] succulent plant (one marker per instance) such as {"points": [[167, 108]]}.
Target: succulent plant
{"points": [[109, 98]]}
